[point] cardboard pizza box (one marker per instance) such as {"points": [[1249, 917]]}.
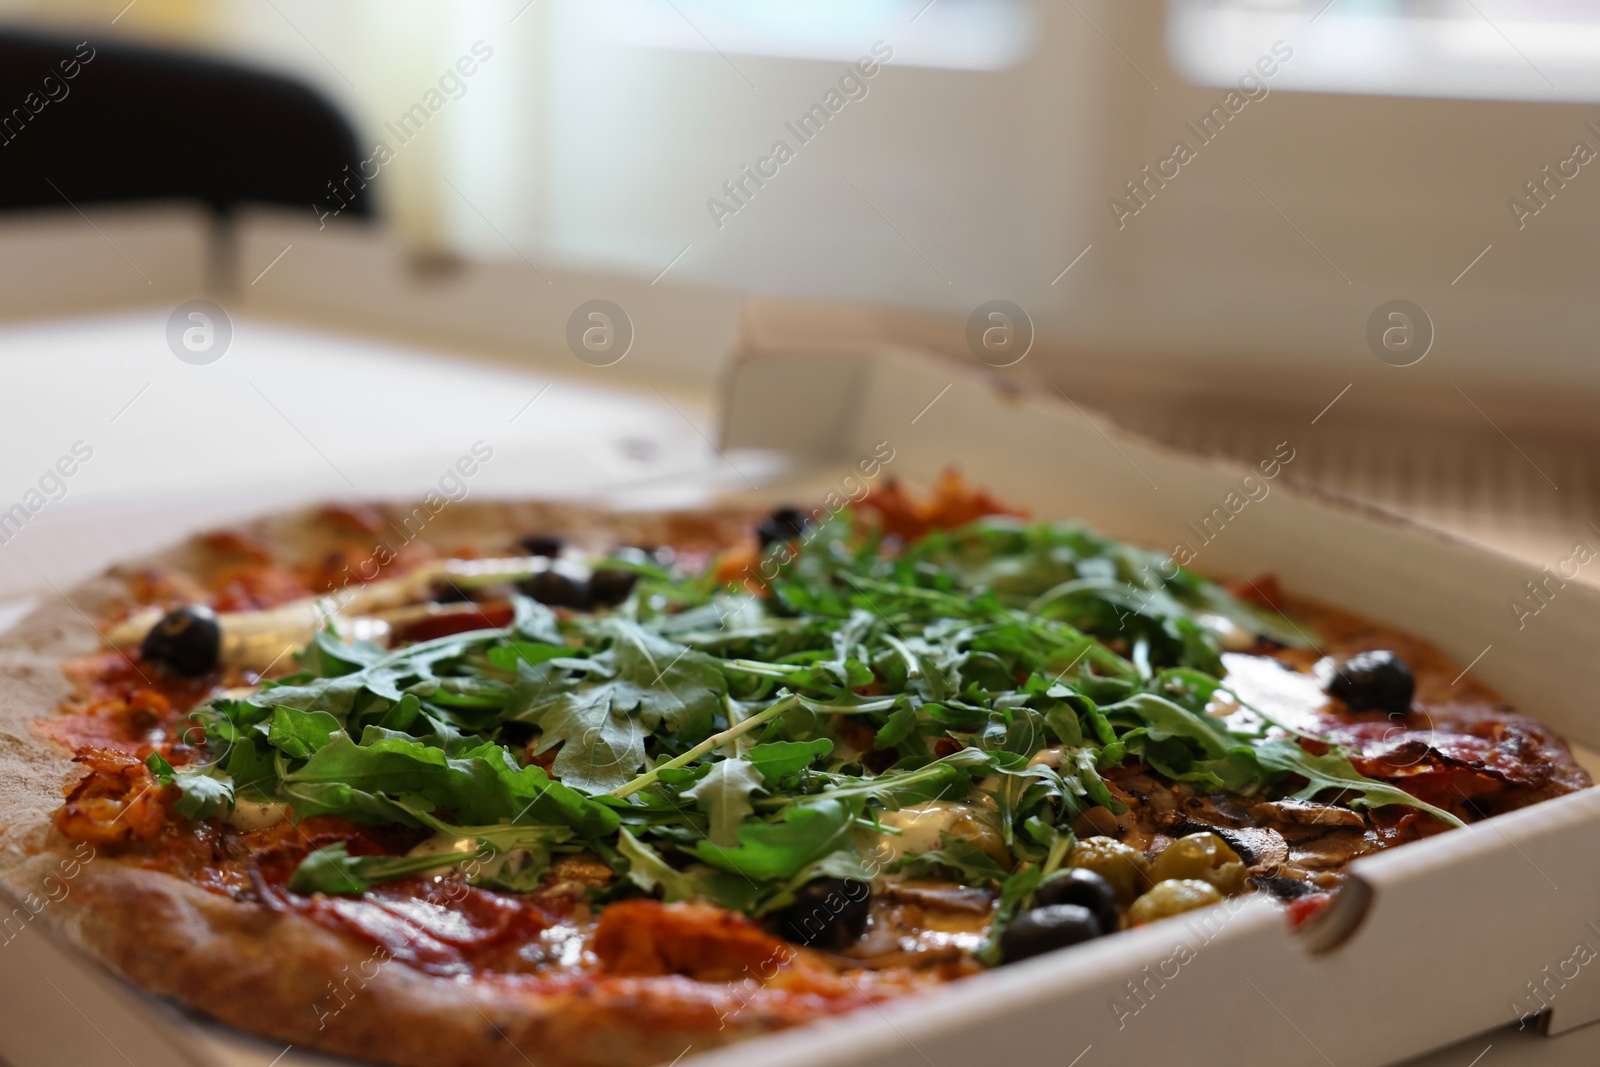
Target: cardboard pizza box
{"points": [[73, 259]]}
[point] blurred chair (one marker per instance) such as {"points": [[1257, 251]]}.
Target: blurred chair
{"points": [[94, 122]]}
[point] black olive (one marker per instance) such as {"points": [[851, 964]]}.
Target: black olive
{"points": [[1040, 930], [541, 545], [447, 592], [185, 641], [1081, 886], [1374, 681], [611, 587], [560, 586], [1284, 888], [827, 913], [785, 524]]}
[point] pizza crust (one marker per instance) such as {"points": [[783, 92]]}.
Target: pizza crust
{"points": [[283, 976], [280, 974]]}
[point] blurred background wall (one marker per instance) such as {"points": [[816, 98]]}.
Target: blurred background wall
{"points": [[1335, 155], [985, 156]]}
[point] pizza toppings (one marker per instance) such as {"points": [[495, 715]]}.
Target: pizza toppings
{"points": [[610, 586], [560, 584], [447, 929], [827, 913], [1374, 681], [870, 743], [784, 524], [642, 937], [1043, 929], [118, 802], [1121, 866], [186, 641], [259, 637], [1081, 886], [1174, 897], [542, 545], [1204, 856]]}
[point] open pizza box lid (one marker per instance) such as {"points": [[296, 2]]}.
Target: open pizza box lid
{"points": [[1442, 939]]}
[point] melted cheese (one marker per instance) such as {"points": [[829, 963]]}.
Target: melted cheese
{"points": [[1291, 697], [257, 815], [921, 828]]}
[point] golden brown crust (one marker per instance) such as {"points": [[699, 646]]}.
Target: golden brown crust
{"points": [[284, 976]]}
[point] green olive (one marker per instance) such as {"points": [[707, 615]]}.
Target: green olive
{"points": [[1202, 856], [1122, 865], [1172, 897], [981, 834]]}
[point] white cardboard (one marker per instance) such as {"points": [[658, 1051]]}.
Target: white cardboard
{"points": [[68, 260], [353, 276]]}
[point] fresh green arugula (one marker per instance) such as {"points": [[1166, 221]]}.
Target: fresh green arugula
{"points": [[636, 683], [333, 870], [723, 793], [707, 742], [959, 859]]}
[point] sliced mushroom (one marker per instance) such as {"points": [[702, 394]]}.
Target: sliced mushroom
{"points": [[1330, 851], [941, 897], [1306, 813]]}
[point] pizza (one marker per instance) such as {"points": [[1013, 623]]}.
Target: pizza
{"points": [[499, 783]]}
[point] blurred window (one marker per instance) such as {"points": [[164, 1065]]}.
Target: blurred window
{"points": [[958, 34], [1481, 49]]}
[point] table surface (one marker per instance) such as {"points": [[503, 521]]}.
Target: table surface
{"points": [[289, 415], [292, 415]]}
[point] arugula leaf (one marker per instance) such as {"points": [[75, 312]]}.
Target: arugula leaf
{"points": [[329, 656], [724, 795], [299, 733], [646, 680], [508, 655], [513, 857], [601, 744], [946, 777], [648, 871], [200, 793], [1333, 770], [779, 759], [1160, 719], [481, 786], [901, 725], [767, 851], [969, 863], [203, 795], [332, 870]]}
